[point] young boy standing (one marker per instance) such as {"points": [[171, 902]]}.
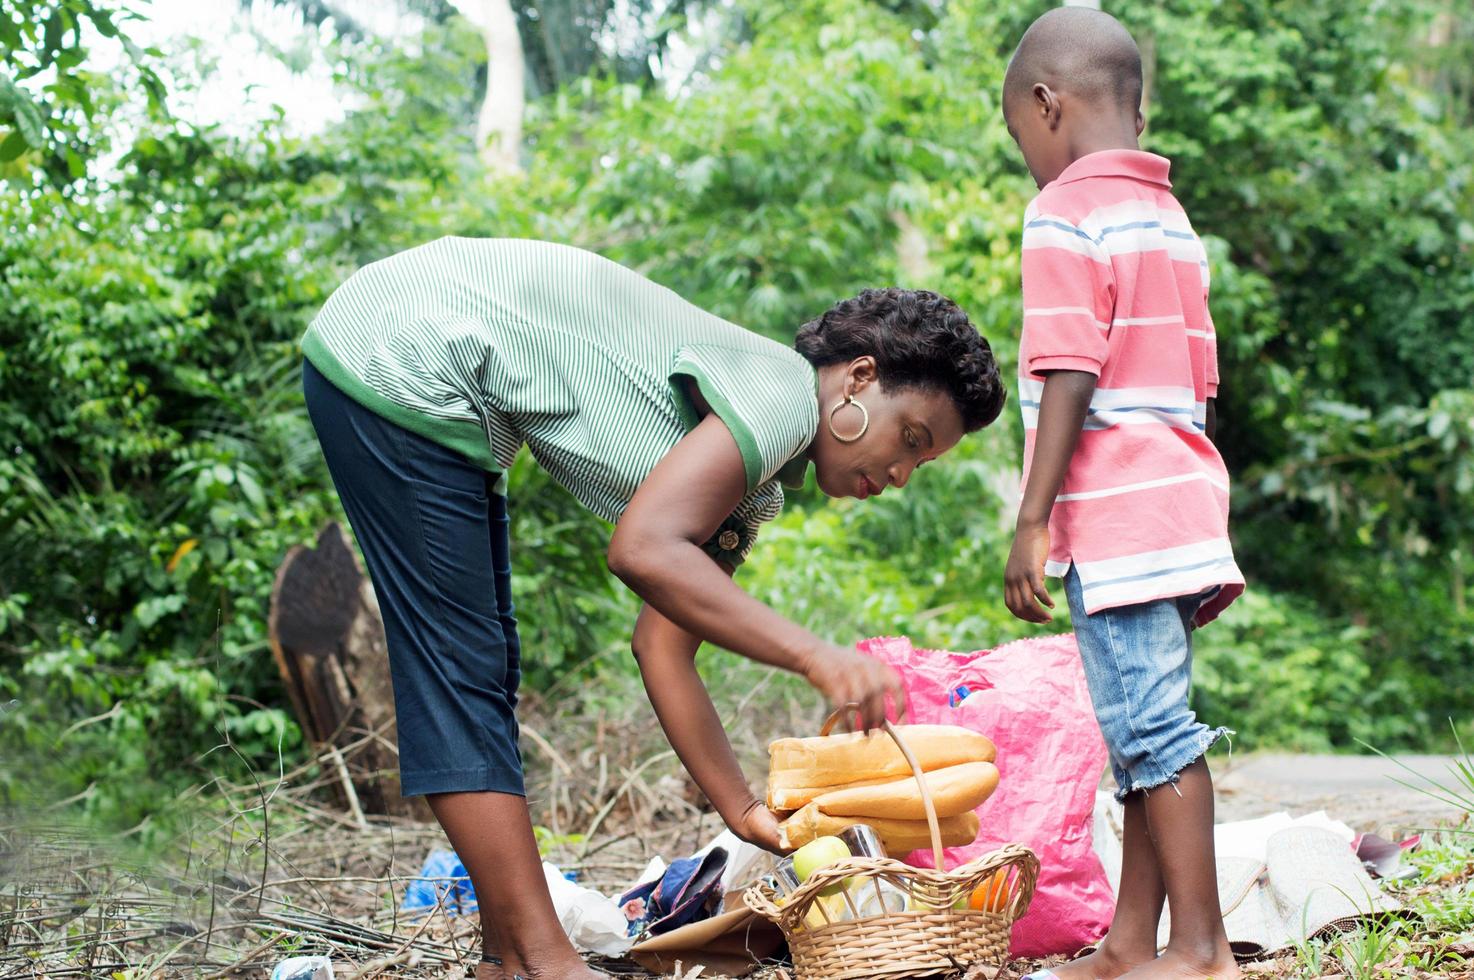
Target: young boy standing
{"points": [[1125, 495]]}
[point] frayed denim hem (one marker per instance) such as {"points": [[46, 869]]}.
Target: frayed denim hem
{"points": [[1206, 740]]}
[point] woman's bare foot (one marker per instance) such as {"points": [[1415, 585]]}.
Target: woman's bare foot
{"points": [[551, 968], [1176, 965], [492, 833]]}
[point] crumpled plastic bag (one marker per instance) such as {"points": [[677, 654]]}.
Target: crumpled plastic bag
{"points": [[592, 921], [1030, 698], [443, 881]]}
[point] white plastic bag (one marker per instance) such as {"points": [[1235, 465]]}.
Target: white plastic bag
{"points": [[594, 923]]}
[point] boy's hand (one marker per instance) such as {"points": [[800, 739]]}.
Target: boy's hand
{"points": [[845, 677], [1023, 576], [757, 825], [1062, 410]]}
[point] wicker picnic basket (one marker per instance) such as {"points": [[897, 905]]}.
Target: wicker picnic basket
{"points": [[930, 936]]}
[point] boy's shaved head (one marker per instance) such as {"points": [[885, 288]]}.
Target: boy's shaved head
{"points": [[1083, 52]]}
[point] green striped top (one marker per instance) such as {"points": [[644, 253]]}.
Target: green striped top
{"points": [[486, 344]]}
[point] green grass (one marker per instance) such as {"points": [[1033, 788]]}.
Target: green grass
{"points": [[1435, 935]]}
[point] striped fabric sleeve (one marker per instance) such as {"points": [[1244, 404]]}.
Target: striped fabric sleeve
{"points": [[1069, 294], [768, 403]]}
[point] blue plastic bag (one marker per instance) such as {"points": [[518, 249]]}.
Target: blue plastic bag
{"points": [[443, 881]]}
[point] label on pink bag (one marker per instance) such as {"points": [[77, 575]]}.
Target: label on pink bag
{"points": [[1030, 698]]}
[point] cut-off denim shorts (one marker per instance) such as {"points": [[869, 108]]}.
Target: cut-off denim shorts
{"points": [[436, 543], [1138, 666]]}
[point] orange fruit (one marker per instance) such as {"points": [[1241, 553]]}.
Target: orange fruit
{"points": [[991, 895]]}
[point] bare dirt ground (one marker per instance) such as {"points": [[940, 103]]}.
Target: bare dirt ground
{"points": [[1365, 792]]}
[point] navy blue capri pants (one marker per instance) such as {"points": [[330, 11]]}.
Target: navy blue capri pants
{"points": [[436, 542]]}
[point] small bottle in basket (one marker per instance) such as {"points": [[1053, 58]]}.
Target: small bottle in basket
{"points": [[863, 841], [868, 895], [876, 896], [785, 879]]}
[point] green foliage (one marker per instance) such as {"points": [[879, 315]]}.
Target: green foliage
{"points": [[1429, 939], [754, 197], [1282, 674], [565, 40], [161, 463], [1371, 514], [1300, 142], [49, 100], [572, 615]]}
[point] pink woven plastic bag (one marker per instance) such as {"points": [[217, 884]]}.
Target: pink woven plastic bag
{"points": [[1030, 698]]}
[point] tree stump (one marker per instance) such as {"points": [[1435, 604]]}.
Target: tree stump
{"points": [[328, 641]]}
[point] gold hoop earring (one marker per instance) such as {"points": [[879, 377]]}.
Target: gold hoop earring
{"points": [[864, 419]]}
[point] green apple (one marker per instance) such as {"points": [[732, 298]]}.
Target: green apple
{"points": [[818, 853]]}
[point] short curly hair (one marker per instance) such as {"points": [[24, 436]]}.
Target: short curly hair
{"points": [[919, 340]]}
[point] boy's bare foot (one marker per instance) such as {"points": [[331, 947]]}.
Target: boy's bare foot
{"points": [[1105, 963], [1175, 965]]}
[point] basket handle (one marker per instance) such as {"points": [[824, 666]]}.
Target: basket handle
{"points": [[931, 810]]}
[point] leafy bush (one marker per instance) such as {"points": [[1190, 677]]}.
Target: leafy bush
{"points": [[1283, 675]]}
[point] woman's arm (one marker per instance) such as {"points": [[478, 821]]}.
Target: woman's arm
{"points": [[656, 551], [667, 658]]}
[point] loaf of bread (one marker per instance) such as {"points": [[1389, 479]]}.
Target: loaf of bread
{"points": [[781, 798], [896, 836], [954, 790], [844, 760]]}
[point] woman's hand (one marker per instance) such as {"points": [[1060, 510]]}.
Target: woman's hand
{"points": [[667, 658], [757, 825], [846, 677]]}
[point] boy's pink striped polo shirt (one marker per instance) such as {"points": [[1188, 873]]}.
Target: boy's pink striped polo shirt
{"points": [[1115, 283]]}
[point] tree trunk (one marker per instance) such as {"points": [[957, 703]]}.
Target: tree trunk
{"points": [[499, 127], [328, 641], [912, 255]]}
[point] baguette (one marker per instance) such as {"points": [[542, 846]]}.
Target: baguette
{"points": [[836, 760], [896, 836], [954, 790], [781, 798]]}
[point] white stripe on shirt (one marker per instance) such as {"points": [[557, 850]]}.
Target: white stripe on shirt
{"points": [[1165, 481]]}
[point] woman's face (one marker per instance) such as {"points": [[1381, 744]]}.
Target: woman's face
{"points": [[908, 427]]}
